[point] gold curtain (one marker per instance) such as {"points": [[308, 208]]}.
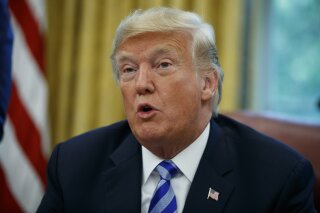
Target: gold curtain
{"points": [[83, 94]]}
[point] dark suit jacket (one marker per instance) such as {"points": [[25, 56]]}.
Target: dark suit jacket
{"points": [[101, 171]]}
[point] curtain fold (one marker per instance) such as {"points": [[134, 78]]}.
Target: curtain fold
{"points": [[83, 93]]}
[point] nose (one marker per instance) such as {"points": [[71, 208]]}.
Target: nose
{"points": [[144, 81]]}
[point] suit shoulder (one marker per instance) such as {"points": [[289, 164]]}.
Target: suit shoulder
{"points": [[106, 138], [254, 142], [264, 166], [255, 151]]}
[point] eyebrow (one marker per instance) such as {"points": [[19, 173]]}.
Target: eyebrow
{"points": [[155, 52], [163, 50], [124, 56]]}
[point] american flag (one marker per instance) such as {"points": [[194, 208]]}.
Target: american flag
{"points": [[6, 39], [25, 144], [213, 194]]}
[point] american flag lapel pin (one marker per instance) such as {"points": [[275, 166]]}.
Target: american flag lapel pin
{"points": [[213, 194]]}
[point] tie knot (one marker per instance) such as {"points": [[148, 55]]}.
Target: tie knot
{"points": [[167, 169]]}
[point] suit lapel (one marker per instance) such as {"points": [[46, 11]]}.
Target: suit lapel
{"points": [[123, 182], [212, 171]]}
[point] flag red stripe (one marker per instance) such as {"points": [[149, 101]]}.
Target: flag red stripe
{"points": [[7, 202], [30, 29], [27, 134]]}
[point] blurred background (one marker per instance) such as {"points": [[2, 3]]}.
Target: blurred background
{"points": [[62, 83]]}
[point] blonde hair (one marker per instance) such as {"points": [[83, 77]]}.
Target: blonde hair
{"points": [[161, 19]]}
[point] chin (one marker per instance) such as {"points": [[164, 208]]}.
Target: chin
{"points": [[149, 137]]}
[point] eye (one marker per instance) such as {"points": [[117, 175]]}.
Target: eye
{"points": [[164, 65], [128, 70]]}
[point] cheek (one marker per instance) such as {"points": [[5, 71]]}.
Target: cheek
{"points": [[183, 99], [127, 97]]}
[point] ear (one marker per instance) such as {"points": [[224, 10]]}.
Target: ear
{"points": [[209, 85]]}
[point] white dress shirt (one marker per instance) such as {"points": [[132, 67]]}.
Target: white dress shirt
{"points": [[187, 161]]}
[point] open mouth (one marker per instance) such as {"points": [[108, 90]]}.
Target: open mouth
{"points": [[146, 111], [145, 108]]}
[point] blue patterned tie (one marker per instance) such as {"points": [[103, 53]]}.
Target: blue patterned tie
{"points": [[163, 199]]}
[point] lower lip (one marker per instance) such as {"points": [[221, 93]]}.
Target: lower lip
{"points": [[146, 115]]}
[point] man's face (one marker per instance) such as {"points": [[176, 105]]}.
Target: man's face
{"points": [[162, 92]]}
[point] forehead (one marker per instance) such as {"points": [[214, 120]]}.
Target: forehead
{"points": [[155, 43]]}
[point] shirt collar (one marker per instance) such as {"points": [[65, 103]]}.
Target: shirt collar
{"points": [[187, 160]]}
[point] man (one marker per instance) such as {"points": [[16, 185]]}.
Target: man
{"points": [[174, 153]]}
